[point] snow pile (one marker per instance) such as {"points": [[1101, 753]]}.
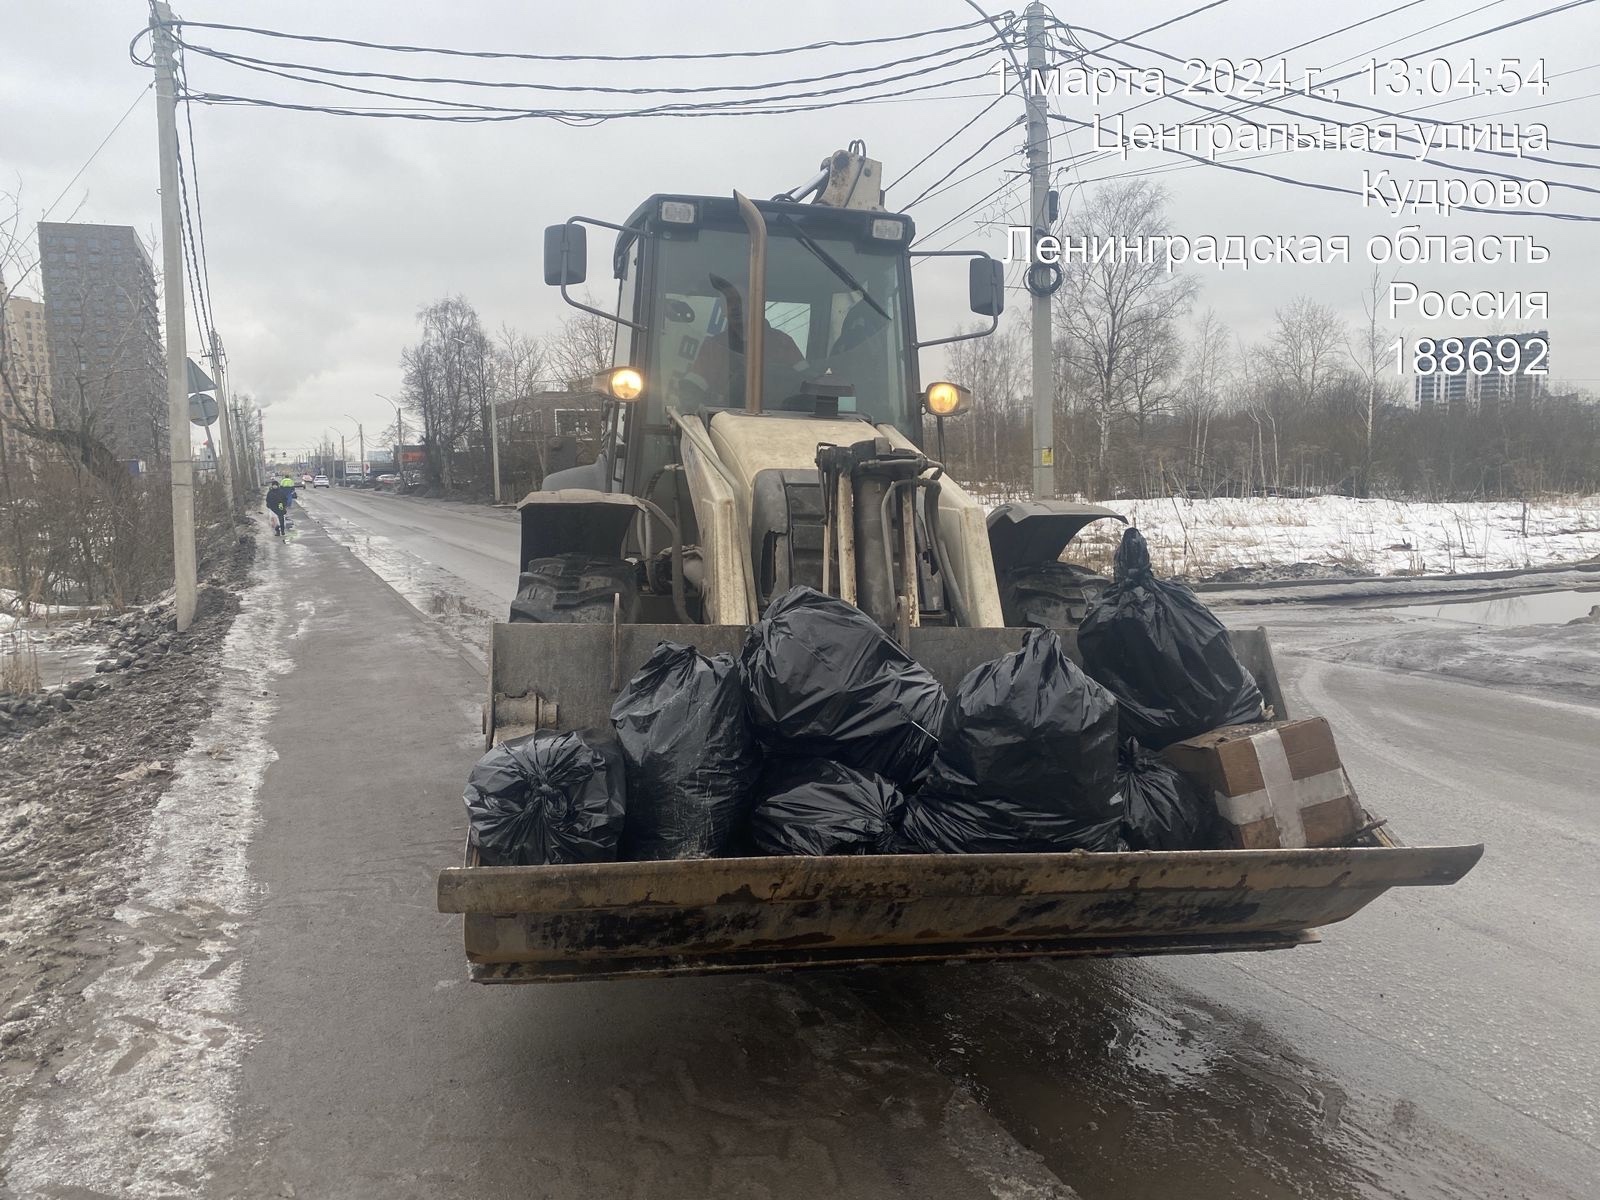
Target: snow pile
{"points": [[1201, 538], [143, 1102]]}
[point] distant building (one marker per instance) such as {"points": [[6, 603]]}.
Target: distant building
{"points": [[107, 365], [1467, 390], [540, 415], [25, 377]]}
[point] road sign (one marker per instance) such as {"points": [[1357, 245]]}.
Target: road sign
{"points": [[199, 381], [202, 408]]}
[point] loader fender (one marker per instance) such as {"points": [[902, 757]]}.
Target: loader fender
{"points": [[575, 521], [1036, 531]]}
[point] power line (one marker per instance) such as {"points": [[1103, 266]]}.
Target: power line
{"points": [[78, 174], [494, 115], [1329, 187], [1244, 105], [249, 62], [1169, 168], [1089, 157], [738, 106], [1322, 37], [931, 189], [601, 58], [1277, 106], [983, 112], [200, 225], [1193, 12]]}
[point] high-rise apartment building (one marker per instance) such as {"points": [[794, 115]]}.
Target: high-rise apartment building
{"points": [[1485, 372], [107, 368], [24, 374]]}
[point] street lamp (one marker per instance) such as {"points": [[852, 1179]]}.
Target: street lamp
{"points": [[361, 445], [399, 433], [494, 417]]}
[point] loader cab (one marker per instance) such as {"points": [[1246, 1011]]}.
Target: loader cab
{"points": [[840, 336]]}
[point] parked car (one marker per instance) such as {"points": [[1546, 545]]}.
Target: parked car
{"points": [[388, 481], [320, 481]]}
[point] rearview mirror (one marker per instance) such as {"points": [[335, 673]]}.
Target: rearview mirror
{"points": [[566, 254], [986, 286]]}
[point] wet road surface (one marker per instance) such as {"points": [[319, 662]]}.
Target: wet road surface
{"points": [[1442, 1043]]}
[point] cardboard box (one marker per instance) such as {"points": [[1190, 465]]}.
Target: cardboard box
{"points": [[1278, 784]]}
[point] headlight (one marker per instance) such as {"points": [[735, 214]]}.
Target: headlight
{"points": [[946, 399], [888, 229], [678, 212], [625, 383]]}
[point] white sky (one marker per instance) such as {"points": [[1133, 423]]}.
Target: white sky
{"points": [[326, 234]]}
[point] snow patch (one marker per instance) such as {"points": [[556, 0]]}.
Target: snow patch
{"points": [[1197, 538]]}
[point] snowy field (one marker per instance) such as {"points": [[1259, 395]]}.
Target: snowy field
{"points": [[1200, 538]]}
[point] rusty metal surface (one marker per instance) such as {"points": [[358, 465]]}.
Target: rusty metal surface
{"points": [[706, 914], [579, 970]]}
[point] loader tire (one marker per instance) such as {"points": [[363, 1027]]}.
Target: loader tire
{"points": [[1056, 595], [576, 589]]}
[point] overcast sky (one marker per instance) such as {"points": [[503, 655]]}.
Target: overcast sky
{"points": [[326, 234]]}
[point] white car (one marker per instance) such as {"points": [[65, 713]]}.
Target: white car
{"points": [[320, 481]]}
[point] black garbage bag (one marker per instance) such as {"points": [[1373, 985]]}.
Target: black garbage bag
{"points": [[812, 806], [1163, 655], [547, 798], [823, 681], [1027, 762], [1164, 809], [690, 753]]}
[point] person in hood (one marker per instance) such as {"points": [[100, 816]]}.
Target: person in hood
{"points": [[278, 505]]}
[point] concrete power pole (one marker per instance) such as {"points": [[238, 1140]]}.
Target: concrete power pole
{"points": [[1044, 383], [232, 476], [185, 575]]}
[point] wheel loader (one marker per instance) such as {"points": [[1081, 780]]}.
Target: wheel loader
{"points": [[765, 425]]}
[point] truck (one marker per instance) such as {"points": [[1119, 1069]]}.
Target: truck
{"points": [[765, 425]]}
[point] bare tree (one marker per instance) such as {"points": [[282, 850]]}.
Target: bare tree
{"points": [[1366, 348], [990, 446], [1304, 363], [582, 349], [445, 379], [1206, 366], [1114, 315]]}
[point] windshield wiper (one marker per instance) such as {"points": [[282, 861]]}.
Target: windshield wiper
{"points": [[833, 265]]}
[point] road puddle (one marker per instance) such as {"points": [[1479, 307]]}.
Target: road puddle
{"points": [[1133, 1089], [1538, 608]]}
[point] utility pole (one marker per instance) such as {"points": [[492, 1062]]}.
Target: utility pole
{"points": [[399, 433], [184, 571], [1044, 383], [228, 462], [361, 445]]}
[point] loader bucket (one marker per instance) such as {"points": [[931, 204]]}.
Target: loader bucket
{"points": [[712, 916], [717, 916], [566, 676]]}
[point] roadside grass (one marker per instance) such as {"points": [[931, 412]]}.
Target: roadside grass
{"points": [[19, 666]]}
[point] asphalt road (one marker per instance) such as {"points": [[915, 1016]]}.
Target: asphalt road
{"points": [[1440, 1044]]}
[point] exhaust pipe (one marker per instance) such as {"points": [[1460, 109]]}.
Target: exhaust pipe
{"points": [[755, 309]]}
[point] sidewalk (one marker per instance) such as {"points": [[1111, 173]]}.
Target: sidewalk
{"points": [[376, 1071]]}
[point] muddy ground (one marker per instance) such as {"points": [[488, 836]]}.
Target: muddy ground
{"points": [[82, 775]]}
